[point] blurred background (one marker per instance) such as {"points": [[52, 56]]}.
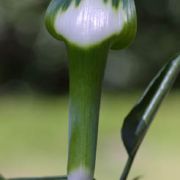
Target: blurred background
{"points": [[34, 94]]}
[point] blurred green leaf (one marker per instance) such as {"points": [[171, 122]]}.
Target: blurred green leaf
{"points": [[41, 178], [2, 178]]}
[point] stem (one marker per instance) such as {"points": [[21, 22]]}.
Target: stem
{"points": [[127, 168], [86, 74]]}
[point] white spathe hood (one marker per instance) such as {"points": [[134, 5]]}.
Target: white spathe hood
{"points": [[89, 23]]}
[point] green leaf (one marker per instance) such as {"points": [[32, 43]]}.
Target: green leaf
{"points": [[139, 119], [41, 178], [2, 178], [38, 178]]}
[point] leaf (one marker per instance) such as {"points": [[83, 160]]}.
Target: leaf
{"points": [[139, 119], [41, 178], [2, 178]]}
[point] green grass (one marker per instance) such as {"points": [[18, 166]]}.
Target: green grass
{"points": [[33, 138]]}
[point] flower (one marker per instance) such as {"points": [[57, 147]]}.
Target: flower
{"points": [[87, 23]]}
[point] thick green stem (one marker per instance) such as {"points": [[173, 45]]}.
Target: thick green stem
{"points": [[86, 74]]}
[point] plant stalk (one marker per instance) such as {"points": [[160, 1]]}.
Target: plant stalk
{"points": [[86, 75], [127, 168]]}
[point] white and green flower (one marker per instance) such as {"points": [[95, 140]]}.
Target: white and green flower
{"points": [[86, 23], [89, 28]]}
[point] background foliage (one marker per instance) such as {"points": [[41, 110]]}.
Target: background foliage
{"points": [[30, 57]]}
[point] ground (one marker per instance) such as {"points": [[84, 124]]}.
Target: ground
{"points": [[33, 137]]}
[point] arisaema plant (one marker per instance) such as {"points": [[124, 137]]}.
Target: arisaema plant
{"points": [[89, 29]]}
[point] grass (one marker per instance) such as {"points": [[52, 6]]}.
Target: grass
{"points": [[33, 137]]}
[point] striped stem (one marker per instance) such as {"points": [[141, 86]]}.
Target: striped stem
{"points": [[86, 74]]}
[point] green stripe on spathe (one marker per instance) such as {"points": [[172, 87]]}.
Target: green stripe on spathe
{"points": [[115, 3], [64, 4], [61, 4], [78, 2]]}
